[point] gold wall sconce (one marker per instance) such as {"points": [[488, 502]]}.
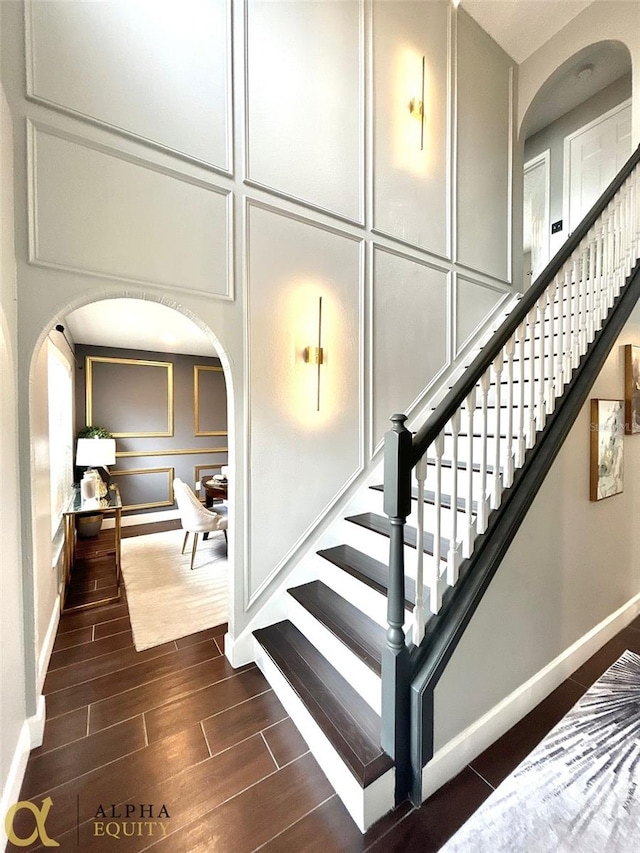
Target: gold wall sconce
{"points": [[416, 106], [315, 354]]}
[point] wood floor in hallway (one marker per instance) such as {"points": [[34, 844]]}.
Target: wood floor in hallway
{"points": [[212, 756]]}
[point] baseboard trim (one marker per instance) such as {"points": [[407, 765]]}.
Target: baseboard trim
{"points": [[36, 723], [13, 783], [458, 752], [47, 646]]}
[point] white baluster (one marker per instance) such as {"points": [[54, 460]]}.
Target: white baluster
{"points": [[550, 392], [591, 290], [483, 503], [541, 407], [583, 277], [509, 349], [470, 528], [531, 320], [497, 366], [521, 445], [453, 557], [566, 324], [435, 591], [575, 315], [599, 298], [419, 609]]}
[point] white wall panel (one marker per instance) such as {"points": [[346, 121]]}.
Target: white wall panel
{"points": [[483, 151], [473, 303], [409, 334], [303, 455], [93, 211], [304, 108], [410, 183], [157, 70]]}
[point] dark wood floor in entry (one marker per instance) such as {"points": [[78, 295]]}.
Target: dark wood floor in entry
{"points": [[213, 757]]}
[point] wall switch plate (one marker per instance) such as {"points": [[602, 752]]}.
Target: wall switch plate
{"points": [[556, 226]]}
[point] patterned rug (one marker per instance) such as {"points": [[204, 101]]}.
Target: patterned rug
{"points": [[578, 791], [168, 600]]}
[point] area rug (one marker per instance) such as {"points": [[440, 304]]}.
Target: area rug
{"points": [[167, 599], [578, 791]]}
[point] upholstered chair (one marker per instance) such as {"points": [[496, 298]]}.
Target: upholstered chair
{"points": [[194, 517]]}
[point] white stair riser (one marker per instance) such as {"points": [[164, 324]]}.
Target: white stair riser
{"points": [[365, 805], [357, 673], [371, 602]]}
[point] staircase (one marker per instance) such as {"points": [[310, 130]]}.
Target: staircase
{"points": [[383, 604]]}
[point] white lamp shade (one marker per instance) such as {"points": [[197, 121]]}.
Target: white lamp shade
{"points": [[96, 452]]}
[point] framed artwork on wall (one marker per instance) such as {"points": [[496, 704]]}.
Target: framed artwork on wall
{"points": [[607, 448], [632, 389]]}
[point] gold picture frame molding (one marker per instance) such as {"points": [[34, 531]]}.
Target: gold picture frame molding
{"points": [[141, 471], [191, 451], [196, 399], [90, 360]]}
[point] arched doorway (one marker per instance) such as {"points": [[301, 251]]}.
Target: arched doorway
{"points": [[116, 335], [575, 136]]}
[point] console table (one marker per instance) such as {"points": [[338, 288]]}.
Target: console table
{"points": [[91, 567]]}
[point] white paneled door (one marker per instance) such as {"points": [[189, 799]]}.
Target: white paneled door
{"points": [[594, 154]]}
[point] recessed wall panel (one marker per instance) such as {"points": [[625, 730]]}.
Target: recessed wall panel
{"points": [[409, 335], [307, 455], [94, 211], [304, 108], [410, 151], [483, 151], [474, 302], [157, 70]]}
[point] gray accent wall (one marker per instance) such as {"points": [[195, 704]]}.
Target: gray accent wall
{"points": [[130, 395]]}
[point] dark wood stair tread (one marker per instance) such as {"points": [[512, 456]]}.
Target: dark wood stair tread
{"points": [[350, 625], [348, 722], [462, 466], [430, 498], [380, 524], [367, 570]]}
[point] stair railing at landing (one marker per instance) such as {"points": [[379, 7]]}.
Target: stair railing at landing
{"points": [[558, 336]]}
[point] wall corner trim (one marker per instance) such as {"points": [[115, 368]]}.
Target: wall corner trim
{"points": [[36, 723]]}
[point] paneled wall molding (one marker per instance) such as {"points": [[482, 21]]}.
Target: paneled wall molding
{"points": [[191, 451], [225, 168], [307, 108], [490, 298], [484, 73], [139, 472], [302, 217], [92, 361], [198, 428], [410, 48], [325, 285], [38, 131]]}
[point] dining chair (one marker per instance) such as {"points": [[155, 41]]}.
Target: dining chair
{"points": [[194, 517]]}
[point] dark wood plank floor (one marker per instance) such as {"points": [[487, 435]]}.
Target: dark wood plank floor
{"points": [[177, 726]]}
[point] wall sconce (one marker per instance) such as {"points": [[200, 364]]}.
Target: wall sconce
{"points": [[416, 106], [315, 354]]}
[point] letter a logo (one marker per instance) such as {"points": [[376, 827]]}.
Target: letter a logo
{"points": [[40, 830]]}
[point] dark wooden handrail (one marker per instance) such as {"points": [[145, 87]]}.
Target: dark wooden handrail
{"points": [[427, 434]]}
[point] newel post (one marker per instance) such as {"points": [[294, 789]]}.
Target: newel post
{"points": [[395, 655]]}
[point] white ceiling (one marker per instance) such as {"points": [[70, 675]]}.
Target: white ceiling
{"points": [[137, 324], [564, 90], [522, 26]]}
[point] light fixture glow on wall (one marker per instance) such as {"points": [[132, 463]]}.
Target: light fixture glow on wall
{"points": [[315, 354], [416, 106]]}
